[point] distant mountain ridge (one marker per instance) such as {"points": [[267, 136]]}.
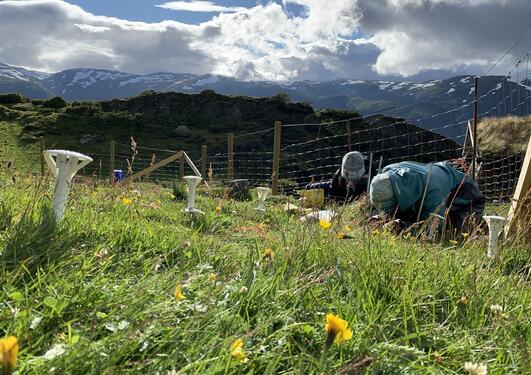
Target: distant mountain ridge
{"points": [[413, 101]]}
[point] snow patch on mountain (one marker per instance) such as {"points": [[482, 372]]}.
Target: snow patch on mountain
{"points": [[451, 90], [350, 82], [465, 80], [206, 81]]}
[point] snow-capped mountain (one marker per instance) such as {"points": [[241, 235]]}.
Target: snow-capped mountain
{"points": [[419, 102]]}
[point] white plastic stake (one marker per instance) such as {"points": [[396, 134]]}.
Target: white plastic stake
{"points": [[192, 182], [496, 224], [263, 193], [64, 168]]}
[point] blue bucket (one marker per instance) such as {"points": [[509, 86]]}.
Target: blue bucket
{"points": [[118, 175]]}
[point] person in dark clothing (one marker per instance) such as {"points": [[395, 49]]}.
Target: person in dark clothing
{"points": [[349, 181]]}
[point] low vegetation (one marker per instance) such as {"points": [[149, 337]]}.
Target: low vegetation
{"points": [[127, 283], [505, 135]]}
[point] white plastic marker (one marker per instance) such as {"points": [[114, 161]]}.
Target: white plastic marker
{"points": [[496, 224], [192, 182], [64, 168], [263, 193]]}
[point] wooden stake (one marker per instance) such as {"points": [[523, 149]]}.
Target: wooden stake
{"points": [[522, 187], [181, 168], [276, 158], [112, 152], [203, 161], [41, 154], [230, 156]]}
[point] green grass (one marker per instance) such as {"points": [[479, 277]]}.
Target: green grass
{"points": [[98, 289]]}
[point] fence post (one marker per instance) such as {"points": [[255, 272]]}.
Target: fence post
{"points": [[203, 161], [475, 129], [181, 168], [349, 136], [276, 158], [41, 154], [111, 162], [230, 157]]}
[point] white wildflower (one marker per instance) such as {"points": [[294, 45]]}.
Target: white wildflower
{"points": [[476, 368], [35, 322], [497, 310], [56, 351]]}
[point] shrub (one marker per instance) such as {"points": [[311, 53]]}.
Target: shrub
{"points": [[282, 97], [37, 101], [55, 103], [12, 98]]}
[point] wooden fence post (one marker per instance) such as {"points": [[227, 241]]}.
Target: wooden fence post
{"points": [[111, 162], [181, 168], [230, 157], [349, 136], [203, 161], [41, 154], [276, 158]]}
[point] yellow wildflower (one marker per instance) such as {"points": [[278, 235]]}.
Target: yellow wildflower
{"points": [[337, 329], [93, 194], [340, 235], [218, 209], [465, 235], [324, 224], [463, 300], [236, 350], [172, 196], [454, 242], [437, 357], [159, 202], [213, 277], [347, 228], [268, 253], [179, 293], [126, 201], [8, 354]]}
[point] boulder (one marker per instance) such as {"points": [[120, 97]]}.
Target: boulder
{"points": [[183, 131]]}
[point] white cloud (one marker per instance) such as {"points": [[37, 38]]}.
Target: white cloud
{"points": [[198, 6], [266, 41], [91, 28]]}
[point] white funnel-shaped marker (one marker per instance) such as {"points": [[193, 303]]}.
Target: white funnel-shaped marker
{"points": [[192, 182], [63, 167], [263, 193], [496, 224]]}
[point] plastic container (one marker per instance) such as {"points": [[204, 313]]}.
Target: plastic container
{"points": [[118, 175]]}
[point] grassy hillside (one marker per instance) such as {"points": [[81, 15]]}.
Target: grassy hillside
{"points": [[504, 135], [96, 293]]}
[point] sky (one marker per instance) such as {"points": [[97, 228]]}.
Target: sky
{"points": [[281, 40]]}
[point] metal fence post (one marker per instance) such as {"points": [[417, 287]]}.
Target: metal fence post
{"points": [[111, 161], [349, 136], [276, 158], [230, 157]]}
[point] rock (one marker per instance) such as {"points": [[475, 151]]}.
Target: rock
{"points": [[89, 138], [183, 131]]}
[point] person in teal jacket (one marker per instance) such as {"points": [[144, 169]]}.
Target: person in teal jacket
{"points": [[398, 189]]}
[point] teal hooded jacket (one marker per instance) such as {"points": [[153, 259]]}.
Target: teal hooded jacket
{"points": [[408, 180]]}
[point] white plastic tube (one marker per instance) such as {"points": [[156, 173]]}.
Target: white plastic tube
{"points": [[192, 182], [263, 193], [496, 224], [63, 167]]}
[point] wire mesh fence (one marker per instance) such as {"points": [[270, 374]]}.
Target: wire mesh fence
{"points": [[311, 152]]}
